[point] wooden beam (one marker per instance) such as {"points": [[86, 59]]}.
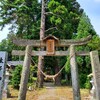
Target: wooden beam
{"points": [[44, 53], [61, 43]]}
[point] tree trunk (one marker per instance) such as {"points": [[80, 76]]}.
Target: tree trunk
{"points": [[41, 58], [58, 78], [39, 74]]}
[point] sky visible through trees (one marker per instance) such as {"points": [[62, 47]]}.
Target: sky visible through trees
{"points": [[92, 10]]}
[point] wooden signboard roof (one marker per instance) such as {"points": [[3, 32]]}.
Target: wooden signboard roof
{"points": [[50, 37]]}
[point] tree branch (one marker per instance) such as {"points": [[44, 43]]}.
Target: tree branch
{"points": [[47, 13], [50, 29]]}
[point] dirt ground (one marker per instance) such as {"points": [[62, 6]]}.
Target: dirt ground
{"points": [[50, 93]]}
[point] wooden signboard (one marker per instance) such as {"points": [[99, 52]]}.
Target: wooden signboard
{"points": [[50, 46], [50, 42]]}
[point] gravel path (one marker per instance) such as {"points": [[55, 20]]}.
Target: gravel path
{"points": [[51, 94]]}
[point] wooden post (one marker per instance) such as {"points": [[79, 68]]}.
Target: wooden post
{"points": [[25, 74], [74, 74], [96, 72]]}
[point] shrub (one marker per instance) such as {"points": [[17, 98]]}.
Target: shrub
{"points": [[64, 82], [16, 75], [88, 84], [82, 78]]}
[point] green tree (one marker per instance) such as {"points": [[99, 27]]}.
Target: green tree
{"points": [[84, 64], [22, 15], [63, 16], [7, 45], [95, 43], [85, 28]]}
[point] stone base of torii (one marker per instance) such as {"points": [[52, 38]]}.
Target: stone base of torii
{"points": [[6, 92]]}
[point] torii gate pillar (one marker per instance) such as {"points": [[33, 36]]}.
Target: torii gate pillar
{"points": [[25, 74], [74, 74], [96, 73]]}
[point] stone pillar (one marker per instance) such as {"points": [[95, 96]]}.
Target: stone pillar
{"points": [[74, 74], [3, 59], [96, 72], [6, 81], [25, 74]]}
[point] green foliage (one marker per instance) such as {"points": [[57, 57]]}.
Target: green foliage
{"points": [[64, 15], [21, 15], [84, 81], [80, 61], [16, 75], [95, 43], [84, 64], [7, 45], [87, 84], [57, 9], [24, 17], [58, 16], [32, 79], [82, 78], [67, 67], [64, 82], [85, 28]]}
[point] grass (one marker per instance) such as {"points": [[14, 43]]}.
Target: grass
{"points": [[64, 91]]}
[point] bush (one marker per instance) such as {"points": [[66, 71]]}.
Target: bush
{"points": [[84, 81], [82, 78], [88, 84], [64, 82], [16, 75]]}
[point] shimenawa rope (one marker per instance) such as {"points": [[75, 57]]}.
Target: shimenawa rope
{"points": [[51, 76]]}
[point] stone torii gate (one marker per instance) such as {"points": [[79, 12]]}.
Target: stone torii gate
{"points": [[50, 42]]}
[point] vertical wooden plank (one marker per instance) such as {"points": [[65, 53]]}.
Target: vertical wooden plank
{"points": [[3, 59], [25, 74], [50, 45], [74, 74], [96, 72]]}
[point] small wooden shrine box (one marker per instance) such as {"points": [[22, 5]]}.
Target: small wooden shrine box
{"points": [[50, 44]]}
